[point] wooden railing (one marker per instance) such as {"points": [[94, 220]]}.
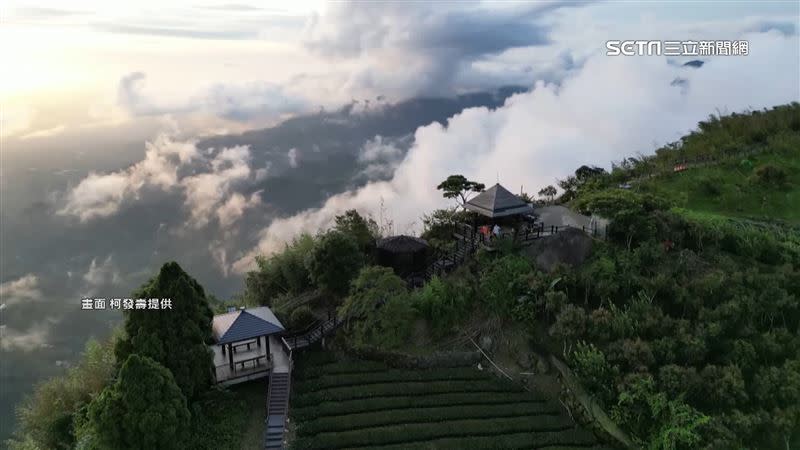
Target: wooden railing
{"points": [[288, 350], [321, 327]]}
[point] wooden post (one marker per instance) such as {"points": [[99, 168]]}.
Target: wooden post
{"points": [[230, 356], [223, 349], [258, 341], [269, 355]]}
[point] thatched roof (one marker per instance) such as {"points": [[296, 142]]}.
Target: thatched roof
{"points": [[497, 201], [402, 244]]}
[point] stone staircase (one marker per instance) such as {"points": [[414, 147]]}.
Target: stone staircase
{"points": [[279, 386], [277, 408]]}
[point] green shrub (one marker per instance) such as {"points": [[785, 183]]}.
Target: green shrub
{"points": [[444, 303], [503, 283], [334, 261], [46, 417], [770, 175], [594, 371], [657, 421], [284, 272], [379, 307], [301, 318]]}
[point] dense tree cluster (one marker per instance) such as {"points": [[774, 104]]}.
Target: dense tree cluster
{"points": [[328, 261], [143, 409], [186, 326], [334, 261], [692, 344], [137, 390], [282, 273], [379, 308]]}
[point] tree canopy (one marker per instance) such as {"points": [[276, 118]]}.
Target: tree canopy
{"points": [[549, 192], [335, 260], [363, 230], [379, 307], [458, 187], [144, 409], [176, 338], [284, 272]]}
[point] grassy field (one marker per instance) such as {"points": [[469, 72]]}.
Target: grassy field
{"points": [[359, 404]]}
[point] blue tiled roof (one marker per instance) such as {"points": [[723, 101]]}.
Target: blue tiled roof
{"points": [[247, 326]]}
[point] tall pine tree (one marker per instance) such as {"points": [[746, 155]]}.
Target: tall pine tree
{"points": [[176, 338]]}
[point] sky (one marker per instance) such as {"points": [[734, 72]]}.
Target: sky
{"points": [[134, 133]]}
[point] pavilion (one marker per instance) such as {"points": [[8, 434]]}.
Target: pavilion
{"points": [[242, 342], [497, 202]]}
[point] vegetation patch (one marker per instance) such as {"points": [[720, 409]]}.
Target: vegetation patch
{"points": [[434, 408]]}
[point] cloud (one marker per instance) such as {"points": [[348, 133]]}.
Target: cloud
{"points": [[404, 50], [378, 150], [292, 156], [101, 195], [176, 32], [48, 132], [33, 338], [380, 157], [22, 289], [206, 182], [219, 253], [233, 101], [16, 119], [206, 192], [101, 275], [234, 208], [611, 108]]}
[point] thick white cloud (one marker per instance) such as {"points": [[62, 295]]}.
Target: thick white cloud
{"points": [[380, 158], [101, 195], [235, 206], [208, 193], [613, 107], [22, 289], [400, 50], [235, 101]]}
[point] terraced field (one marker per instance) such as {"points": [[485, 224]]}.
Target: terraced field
{"points": [[359, 404]]}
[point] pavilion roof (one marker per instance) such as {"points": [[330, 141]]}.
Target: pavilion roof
{"points": [[402, 244], [245, 324], [498, 201]]}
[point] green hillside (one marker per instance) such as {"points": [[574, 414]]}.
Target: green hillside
{"points": [[740, 165]]}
